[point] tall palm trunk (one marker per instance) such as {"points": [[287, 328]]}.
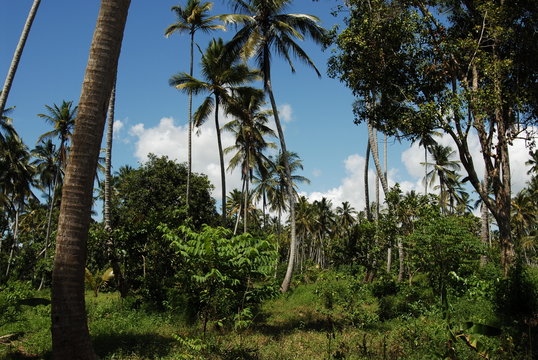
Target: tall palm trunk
{"points": [[289, 271], [70, 336], [17, 55], [49, 223], [375, 156], [15, 239], [484, 229], [425, 169], [187, 197], [111, 248], [221, 159], [366, 187]]}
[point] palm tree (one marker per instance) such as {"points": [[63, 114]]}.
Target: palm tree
{"points": [[221, 75], [17, 55], [346, 217], [48, 167], [444, 171], [70, 335], [250, 129], [190, 19], [264, 183], [6, 126], [16, 179], [62, 118], [267, 29]]}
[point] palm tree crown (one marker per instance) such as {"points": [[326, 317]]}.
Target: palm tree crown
{"points": [[63, 119]]}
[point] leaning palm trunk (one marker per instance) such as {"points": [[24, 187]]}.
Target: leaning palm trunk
{"points": [[17, 55], [221, 159], [111, 248], [70, 335], [289, 185], [375, 156]]}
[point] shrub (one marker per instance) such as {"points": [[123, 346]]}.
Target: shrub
{"points": [[223, 278], [11, 295]]}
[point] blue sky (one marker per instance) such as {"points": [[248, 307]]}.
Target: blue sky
{"points": [[151, 116]]}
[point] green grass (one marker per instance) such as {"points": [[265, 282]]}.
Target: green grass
{"points": [[292, 326]]}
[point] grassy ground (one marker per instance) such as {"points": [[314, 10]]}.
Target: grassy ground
{"points": [[293, 326]]}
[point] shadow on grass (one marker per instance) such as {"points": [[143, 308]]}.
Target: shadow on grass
{"points": [[147, 346], [306, 322]]}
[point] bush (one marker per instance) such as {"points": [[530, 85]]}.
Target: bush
{"points": [[345, 299], [223, 278], [11, 295]]}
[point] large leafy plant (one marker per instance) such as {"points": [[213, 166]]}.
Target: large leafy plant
{"points": [[223, 277]]}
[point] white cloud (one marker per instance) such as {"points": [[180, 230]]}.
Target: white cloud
{"points": [[316, 173], [413, 158], [286, 112], [171, 140], [352, 187], [117, 126]]}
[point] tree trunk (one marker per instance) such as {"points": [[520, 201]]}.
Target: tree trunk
{"points": [[221, 159], [189, 155], [484, 229], [15, 239], [366, 187], [401, 260], [375, 156], [70, 335], [17, 55], [111, 248], [289, 271]]}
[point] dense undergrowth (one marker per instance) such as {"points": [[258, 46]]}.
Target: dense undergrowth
{"points": [[327, 315]]}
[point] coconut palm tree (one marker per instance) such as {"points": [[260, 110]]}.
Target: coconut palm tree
{"points": [[191, 18], [70, 335], [16, 179], [222, 75], [444, 170], [62, 118], [17, 55], [6, 125], [264, 183], [250, 130], [267, 29]]}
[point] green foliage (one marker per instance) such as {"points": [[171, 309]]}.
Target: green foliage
{"points": [[143, 199], [224, 278], [11, 295], [97, 281], [345, 299], [445, 244], [516, 298]]}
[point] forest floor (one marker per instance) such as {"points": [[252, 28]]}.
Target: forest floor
{"points": [[297, 325]]}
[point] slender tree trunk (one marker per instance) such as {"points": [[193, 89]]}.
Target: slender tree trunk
{"points": [[15, 240], [70, 336], [111, 248], [366, 187], [401, 259], [385, 175], [17, 55], [221, 159], [484, 229], [187, 197], [289, 271], [425, 169], [245, 205], [49, 223], [375, 156]]}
